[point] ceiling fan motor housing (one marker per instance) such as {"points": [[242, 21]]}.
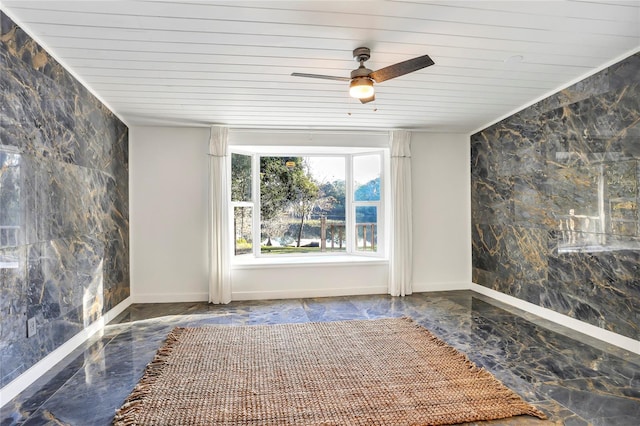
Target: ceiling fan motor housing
{"points": [[361, 54]]}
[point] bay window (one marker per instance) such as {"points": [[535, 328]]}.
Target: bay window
{"points": [[288, 202]]}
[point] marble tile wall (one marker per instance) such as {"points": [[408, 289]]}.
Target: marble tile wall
{"points": [[64, 220], [555, 201]]}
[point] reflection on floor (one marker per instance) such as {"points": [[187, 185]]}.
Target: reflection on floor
{"points": [[575, 379]]}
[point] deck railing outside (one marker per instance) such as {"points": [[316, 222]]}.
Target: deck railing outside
{"points": [[364, 229]]}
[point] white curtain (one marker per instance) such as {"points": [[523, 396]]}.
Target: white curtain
{"points": [[219, 227], [400, 265]]}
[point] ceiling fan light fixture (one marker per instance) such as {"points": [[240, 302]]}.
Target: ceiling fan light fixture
{"points": [[362, 78], [361, 88]]}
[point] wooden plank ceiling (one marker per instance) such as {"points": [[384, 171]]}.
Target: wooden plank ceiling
{"points": [[204, 62]]}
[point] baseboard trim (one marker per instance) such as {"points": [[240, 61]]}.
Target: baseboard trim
{"points": [[170, 297], [23, 381], [302, 293], [589, 329]]}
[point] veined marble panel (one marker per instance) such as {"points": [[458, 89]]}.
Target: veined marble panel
{"points": [[514, 257], [494, 201], [64, 221], [556, 201], [69, 200], [44, 199], [609, 276], [115, 267], [47, 113], [65, 285], [13, 306], [18, 43]]}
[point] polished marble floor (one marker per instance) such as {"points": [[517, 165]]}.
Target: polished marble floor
{"points": [[575, 379]]}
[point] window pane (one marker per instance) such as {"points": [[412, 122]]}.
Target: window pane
{"points": [[242, 230], [302, 204], [366, 177], [366, 228], [240, 177]]}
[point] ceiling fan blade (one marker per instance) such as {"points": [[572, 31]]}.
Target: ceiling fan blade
{"points": [[401, 68], [325, 77], [367, 100]]}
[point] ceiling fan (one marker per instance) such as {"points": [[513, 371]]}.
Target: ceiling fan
{"points": [[362, 78]]}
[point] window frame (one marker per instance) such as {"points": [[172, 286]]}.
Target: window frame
{"points": [[348, 154], [379, 204]]}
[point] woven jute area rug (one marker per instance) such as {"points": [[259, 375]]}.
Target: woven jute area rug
{"points": [[365, 372]]}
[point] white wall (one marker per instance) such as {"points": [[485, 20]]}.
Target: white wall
{"points": [[309, 280], [168, 169], [441, 184], [168, 193]]}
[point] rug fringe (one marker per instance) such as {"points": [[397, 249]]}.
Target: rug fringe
{"points": [[517, 400], [125, 415]]}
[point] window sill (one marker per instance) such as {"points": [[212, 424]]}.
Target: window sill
{"points": [[305, 261]]}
